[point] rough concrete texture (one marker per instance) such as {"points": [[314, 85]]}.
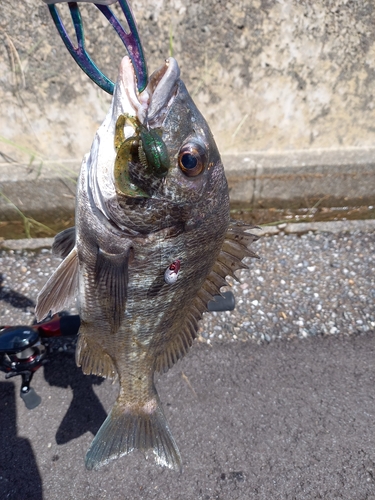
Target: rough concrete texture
{"points": [[267, 74], [301, 178]]}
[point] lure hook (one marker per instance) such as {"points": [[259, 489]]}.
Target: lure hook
{"points": [[130, 40]]}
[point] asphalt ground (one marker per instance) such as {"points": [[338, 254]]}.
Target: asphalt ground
{"points": [[275, 400]]}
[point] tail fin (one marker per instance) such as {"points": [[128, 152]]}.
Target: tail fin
{"points": [[126, 429]]}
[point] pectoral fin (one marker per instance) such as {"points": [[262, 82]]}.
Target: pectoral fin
{"points": [[60, 289], [111, 280]]}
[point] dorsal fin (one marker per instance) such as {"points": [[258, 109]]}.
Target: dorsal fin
{"points": [[233, 251]]}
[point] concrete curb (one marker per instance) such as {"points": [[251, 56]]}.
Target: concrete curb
{"points": [[302, 178], [293, 179], [342, 226], [366, 226], [40, 191]]}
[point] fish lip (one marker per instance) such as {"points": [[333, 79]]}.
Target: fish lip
{"points": [[151, 105], [126, 99], [162, 87]]}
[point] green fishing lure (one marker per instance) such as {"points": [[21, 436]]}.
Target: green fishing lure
{"points": [[150, 148]]}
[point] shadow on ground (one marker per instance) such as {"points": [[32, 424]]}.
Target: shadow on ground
{"points": [[85, 413], [13, 298], [19, 474]]}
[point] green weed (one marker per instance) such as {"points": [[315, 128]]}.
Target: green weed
{"points": [[28, 222], [35, 156]]}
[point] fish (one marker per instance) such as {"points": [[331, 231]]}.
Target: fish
{"points": [[153, 243]]}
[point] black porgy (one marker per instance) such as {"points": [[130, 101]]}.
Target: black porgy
{"points": [[152, 244]]}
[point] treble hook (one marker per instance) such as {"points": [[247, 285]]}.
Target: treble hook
{"points": [[131, 41]]}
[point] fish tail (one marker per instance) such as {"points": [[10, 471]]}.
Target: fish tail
{"points": [[130, 427]]}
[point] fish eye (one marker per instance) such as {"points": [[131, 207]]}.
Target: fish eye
{"points": [[192, 159]]}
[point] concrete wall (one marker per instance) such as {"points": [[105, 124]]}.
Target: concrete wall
{"points": [[269, 75]]}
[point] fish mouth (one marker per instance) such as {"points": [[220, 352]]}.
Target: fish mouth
{"points": [[142, 160], [152, 105], [162, 88]]}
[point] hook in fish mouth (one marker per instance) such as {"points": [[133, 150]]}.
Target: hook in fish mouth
{"points": [[151, 105], [136, 141]]}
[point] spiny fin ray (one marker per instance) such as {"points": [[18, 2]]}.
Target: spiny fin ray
{"points": [[229, 260], [60, 289], [92, 359]]}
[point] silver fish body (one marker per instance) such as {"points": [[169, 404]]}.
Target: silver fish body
{"points": [[134, 321]]}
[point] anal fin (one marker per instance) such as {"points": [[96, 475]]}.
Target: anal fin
{"points": [[60, 289], [92, 358]]}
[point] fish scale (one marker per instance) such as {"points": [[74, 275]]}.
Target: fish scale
{"points": [[134, 322]]}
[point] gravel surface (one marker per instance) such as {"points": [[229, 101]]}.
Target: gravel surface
{"points": [[313, 284], [309, 285], [288, 414]]}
